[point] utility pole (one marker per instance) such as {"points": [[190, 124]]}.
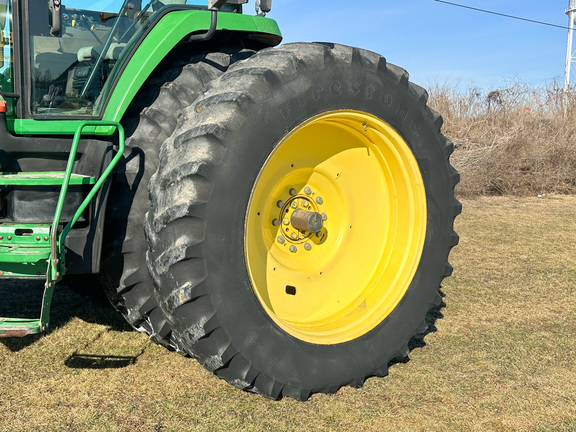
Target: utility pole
{"points": [[571, 12]]}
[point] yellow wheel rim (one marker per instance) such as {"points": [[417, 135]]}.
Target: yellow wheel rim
{"points": [[358, 175]]}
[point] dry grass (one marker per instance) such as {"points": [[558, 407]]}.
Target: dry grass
{"points": [[502, 359], [521, 140]]}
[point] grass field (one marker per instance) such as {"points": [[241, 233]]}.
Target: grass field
{"points": [[502, 357]]}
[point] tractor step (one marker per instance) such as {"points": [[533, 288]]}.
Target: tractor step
{"points": [[19, 327], [48, 178], [24, 250]]}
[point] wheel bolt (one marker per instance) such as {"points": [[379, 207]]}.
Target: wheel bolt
{"points": [[294, 204], [293, 249], [281, 240], [286, 221], [319, 200], [307, 246], [324, 217], [275, 222], [294, 236], [293, 192], [280, 203], [307, 190]]}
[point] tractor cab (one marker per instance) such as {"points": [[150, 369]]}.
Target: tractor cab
{"points": [[71, 53]]}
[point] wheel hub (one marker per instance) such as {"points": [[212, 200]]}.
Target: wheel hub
{"points": [[300, 218]]}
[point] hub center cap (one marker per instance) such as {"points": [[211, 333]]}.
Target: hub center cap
{"points": [[300, 218], [304, 220]]}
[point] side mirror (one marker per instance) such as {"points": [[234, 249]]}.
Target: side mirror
{"points": [[55, 7], [215, 5], [264, 5]]}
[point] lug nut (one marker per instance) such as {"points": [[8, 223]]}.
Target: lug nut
{"points": [[275, 222], [286, 221], [294, 204], [280, 203], [281, 240], [293, 191], [307, 190], [324, 217], [307, 246], [294, 236], [293, 248], [319, 200]]}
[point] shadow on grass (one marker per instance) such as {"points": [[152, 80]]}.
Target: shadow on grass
{"points": [[73, 298], [95, 361]]}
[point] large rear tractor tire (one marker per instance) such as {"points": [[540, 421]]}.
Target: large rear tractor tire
{"points": [[301, 221], [152, 118]]}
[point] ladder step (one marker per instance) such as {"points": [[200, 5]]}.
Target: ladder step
{"points": [[48, 178], [24, 243], [24, 250], [19, 270], [18, 327], [23, 254], [24, 234]]}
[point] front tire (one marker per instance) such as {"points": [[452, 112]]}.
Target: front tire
{"points": [[270, 305]]}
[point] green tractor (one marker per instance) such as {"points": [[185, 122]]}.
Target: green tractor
{"points": [[282, 214]]}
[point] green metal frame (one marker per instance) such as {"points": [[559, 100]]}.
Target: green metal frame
{"points": [[32, 253], [51, 178]]}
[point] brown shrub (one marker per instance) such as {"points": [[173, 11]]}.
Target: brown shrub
{"points": [[520, 140]]}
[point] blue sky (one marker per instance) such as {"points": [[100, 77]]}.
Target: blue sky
{"points": [[436, 42]]}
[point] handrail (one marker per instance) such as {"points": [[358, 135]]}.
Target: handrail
{"points": [[57, 244]]}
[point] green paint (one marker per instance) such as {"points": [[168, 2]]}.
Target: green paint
{"points": [[23, 236], [28, 326], [50, 178], [167, 33]]}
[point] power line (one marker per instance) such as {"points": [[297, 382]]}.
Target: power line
{"points": [[503, 15]]}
